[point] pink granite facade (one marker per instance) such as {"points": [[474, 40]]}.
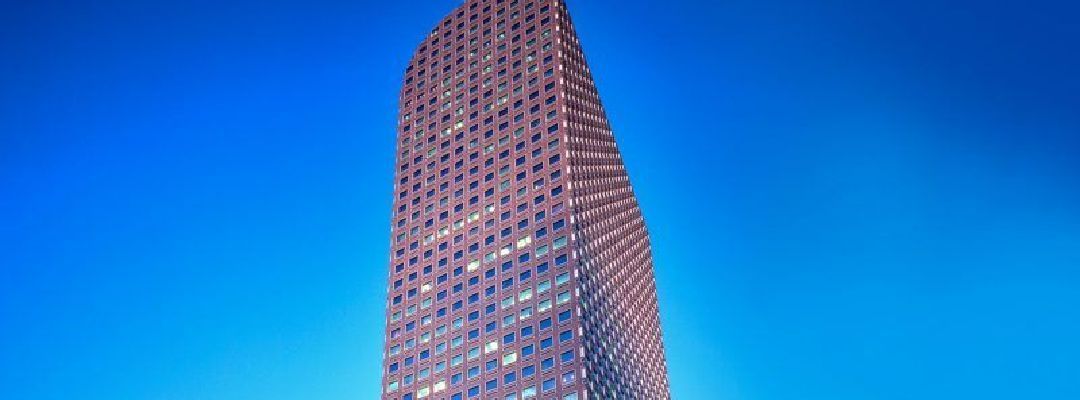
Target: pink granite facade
{"points": [[520, 263]]}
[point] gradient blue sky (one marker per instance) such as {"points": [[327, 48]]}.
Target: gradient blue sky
{"points": [[848, 200]]}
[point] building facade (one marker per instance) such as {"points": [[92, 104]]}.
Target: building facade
{"points": [[520, 263]]}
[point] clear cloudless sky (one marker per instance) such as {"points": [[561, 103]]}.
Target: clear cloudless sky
{"points": [[847, 199]]}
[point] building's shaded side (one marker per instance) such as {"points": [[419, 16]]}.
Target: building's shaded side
{"points": [[623, 345]]}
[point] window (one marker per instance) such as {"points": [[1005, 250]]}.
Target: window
{"points": [[559, 243], [528, 393], [547, 364], [564, 316], [563, 297], [566, 336]]}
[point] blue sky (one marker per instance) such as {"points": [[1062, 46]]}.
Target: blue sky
{"points": [[848, 200]]}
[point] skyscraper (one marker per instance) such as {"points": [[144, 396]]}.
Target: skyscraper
{"points": [[520, 264]]}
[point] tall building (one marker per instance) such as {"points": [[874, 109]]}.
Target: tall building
{"points": [[520, 263]]}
